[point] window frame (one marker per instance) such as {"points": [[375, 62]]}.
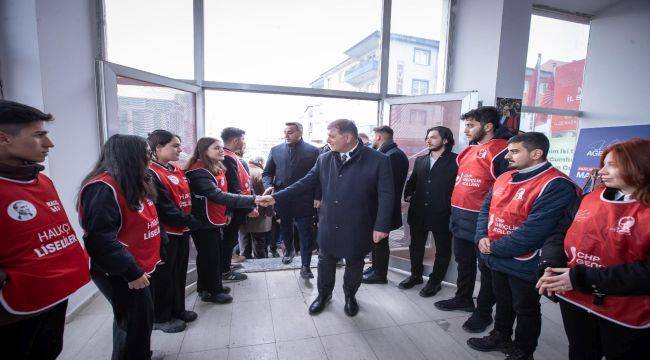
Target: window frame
{"points": [[420, 82], [426, 51]]}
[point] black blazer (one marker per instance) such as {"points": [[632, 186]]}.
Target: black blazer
{"points": [[430, 189], [282, 170], [357, 199], [400, 165]]}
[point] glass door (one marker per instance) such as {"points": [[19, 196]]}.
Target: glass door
{"points": [[410, 117]]}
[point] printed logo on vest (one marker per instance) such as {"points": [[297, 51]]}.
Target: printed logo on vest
{"points": [[583, 258], [458, 177], [21, 210], [625, 225], [482, 154], [173, 179], [519, 195]]}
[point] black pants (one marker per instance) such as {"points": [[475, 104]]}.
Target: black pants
{"points": [[517, 299], [380, 258], [442, 240], [38, 337], [304, 226], [254, 245], [465, 252], [592, 337], [231, 238], [132, 316], [327, 274], [208, 259], [168, 281]]}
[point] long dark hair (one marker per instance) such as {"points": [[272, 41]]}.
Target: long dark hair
{"points": [[446, 134], [126, 159], [216, 167]]}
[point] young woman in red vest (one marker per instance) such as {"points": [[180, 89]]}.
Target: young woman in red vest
{"points": [[597, 260], [122, 237], [41, 260], [206, 174], [174, 206]]}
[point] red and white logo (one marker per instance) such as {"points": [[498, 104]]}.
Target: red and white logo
{"points": [[625, 225], [482, 154], [21, 210], [458, 178], [519, 195], [173, 179]]}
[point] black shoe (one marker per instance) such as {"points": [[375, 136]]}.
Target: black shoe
{"points": [[275, 254], [373, 278], [319, 304], [305, 273], [430, 289], [410, 282], [517, 354], [232, 276], [288, 258], [187, 316], [351, 307], [495, 341], [224, 290], [477, 323], [217, 298], [171, 326], [369, 270], [236, 266], [455, 304]]}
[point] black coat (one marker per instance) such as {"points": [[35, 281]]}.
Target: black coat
{"points": [[430, 189], [357, 199], [399, 162], [283, 169]]}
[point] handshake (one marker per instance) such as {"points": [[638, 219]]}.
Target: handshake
{"points": [[265, 199]]}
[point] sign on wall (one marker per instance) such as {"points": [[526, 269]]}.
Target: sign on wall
{"points": [[593, 141]]}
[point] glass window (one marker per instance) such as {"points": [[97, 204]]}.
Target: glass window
{"points": [[422, 56], [263, 116], [144, 107], [295, 43], [419, 87], [416, 45], [562, 132], [557, 50], [151, 35]]}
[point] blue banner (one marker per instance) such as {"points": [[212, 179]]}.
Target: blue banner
{"points": [[592, 142]]}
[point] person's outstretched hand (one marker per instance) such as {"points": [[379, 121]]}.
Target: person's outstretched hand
{"points": [[377, 236]]}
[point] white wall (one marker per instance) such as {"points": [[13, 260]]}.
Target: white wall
{"points": [[617, 73], [48, 62]]}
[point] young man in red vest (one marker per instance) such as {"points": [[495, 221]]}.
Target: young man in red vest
{"points": [[478, 166], [41, 260], [519, 213], [239, 182]]}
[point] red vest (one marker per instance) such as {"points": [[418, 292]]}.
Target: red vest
{"points": [[179, 189], [216, 213], [139, 230], [39, 251], [607, 233], [512, 202], [475, 174], [242, 174]]}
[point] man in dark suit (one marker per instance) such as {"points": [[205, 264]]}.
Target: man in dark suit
{"points": [[383, 141], [287, 163], [429, 192], [356, 209]]}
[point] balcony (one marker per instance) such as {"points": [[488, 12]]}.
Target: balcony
{"points": [[362, 72]]}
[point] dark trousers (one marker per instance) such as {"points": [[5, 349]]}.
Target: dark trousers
{"points": [[168, 281], [465, 252], [132, 316], [254, 245], [231, 238], [327, 274], [592, 337], [517, 299], [38, 337], [380, 258], [304, 234], [208, 259], [442, 240]]}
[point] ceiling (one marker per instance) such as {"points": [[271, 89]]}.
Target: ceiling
{"points": [[588, 7]]}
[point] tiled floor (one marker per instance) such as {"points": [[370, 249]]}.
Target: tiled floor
{"points": [[268, 320]]}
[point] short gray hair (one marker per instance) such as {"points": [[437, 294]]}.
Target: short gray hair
{"points": [[344, 126]]}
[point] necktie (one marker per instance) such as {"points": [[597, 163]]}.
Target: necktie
{"points": [[344, 158]]}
